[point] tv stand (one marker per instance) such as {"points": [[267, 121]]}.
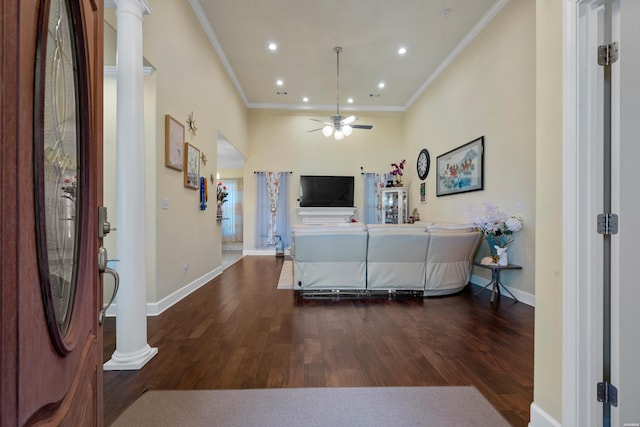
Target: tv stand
{"points": [[322, 215]]}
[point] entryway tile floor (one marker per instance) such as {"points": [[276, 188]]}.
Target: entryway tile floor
{"points": [[231, 253]]}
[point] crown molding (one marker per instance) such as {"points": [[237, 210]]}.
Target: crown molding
{"points": [[206, 26], [488, 17]]}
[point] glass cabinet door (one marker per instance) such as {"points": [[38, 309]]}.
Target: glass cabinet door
{"points": [[394, 206]]}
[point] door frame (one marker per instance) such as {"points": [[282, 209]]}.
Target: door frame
{"points": [[582, 247]]}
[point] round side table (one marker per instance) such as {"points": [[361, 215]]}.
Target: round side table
{"points": [[495, 278]]}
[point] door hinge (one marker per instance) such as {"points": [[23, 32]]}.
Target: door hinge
{"points": [[608, 393], [607, 54], [607, 223]]}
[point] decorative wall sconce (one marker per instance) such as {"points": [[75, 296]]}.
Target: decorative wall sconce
{"points": [[191, 124]]}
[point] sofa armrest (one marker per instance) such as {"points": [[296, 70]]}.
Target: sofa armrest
{"points": [[449, 261]]}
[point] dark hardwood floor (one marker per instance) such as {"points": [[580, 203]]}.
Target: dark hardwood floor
{"points": [[240, 332]]}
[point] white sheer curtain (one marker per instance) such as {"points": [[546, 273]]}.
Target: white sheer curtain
{"points": [[373, 182], [232, 225], [272, 208]]}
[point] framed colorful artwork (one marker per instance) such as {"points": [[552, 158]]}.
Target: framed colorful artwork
{"points": [[174, 143], [461, 169], [192, 166]]}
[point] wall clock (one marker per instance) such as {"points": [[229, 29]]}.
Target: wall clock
{"points": [[423, 164]]}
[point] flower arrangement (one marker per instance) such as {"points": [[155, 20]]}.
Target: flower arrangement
{"points": [[396, 171], [496, 225], [70, 186], [221, 193]]}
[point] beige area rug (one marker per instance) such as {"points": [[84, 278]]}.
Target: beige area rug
{"points": [[286, 275], [310, 407]]}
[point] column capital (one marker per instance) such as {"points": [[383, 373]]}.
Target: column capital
{"points": [[120, 4]]}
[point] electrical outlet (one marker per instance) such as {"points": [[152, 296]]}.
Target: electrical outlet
{"points": [[518, 207]]}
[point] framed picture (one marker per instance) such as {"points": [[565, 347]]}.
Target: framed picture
{"points": [[192, 166], [174, 143], [461, 169], [423, 192]]}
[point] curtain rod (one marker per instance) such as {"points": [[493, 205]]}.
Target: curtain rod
{"points": [[266, 171]]}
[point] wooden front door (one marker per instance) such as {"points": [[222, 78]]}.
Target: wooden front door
{"points": [[51, 187]]}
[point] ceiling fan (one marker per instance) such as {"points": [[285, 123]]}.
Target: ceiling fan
{"points": [[340, 126]]}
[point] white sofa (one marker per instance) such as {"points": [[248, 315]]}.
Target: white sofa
{"points": [[396, 257], [329, 257], [432, 258]]}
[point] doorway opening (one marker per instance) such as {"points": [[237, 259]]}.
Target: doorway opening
{"points": [[230, 168]]}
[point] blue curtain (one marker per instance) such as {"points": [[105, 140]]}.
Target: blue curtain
{"points": [[232, 225], [272, 209], [372, 210]]}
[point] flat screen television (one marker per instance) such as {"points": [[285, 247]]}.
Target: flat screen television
{"points": [[326, 191]]}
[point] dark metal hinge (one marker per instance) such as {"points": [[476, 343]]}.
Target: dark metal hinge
{"points": [[607, 54], [608, 393], [607, 223]]}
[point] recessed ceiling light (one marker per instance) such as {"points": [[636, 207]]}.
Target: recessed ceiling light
{"points": [[305, 99], [350, 100], [273, 46], [279, 82], [402, 50], [381, 85]]}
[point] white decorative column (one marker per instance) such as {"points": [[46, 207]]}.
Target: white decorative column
{"points": [[132, 350]]}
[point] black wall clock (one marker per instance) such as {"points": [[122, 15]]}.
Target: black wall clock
{"points": [[423, 164]]}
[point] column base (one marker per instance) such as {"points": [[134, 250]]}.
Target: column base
{"points": [[130, 362]]}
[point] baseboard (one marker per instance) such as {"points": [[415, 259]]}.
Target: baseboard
{"points": [[539, 418], [523, 297], [156, 308]]}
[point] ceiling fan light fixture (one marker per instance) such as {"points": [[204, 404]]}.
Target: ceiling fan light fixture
{"points": [[339, 125]]}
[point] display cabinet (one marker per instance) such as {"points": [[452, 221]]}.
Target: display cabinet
{"points": [[394, 205]]}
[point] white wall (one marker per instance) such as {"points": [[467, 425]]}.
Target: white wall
{"points": [[488, 90], [188, 78], [548, 254]]}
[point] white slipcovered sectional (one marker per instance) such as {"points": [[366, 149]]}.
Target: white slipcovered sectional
{"points": [[431, 258]]}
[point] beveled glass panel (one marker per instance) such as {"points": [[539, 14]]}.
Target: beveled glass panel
{"points": [[60, 165]]}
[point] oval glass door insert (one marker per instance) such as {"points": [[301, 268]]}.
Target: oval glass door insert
{"points": [[57, 135]]}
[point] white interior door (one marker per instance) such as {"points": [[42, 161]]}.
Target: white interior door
{"points": [[583, 195]]}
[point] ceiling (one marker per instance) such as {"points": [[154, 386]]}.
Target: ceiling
{"points": [[370, 33]]}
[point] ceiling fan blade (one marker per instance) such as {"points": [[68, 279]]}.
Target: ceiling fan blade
{"points": [[321, 121], [313, 130], [349, 120], [362, 126]]}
